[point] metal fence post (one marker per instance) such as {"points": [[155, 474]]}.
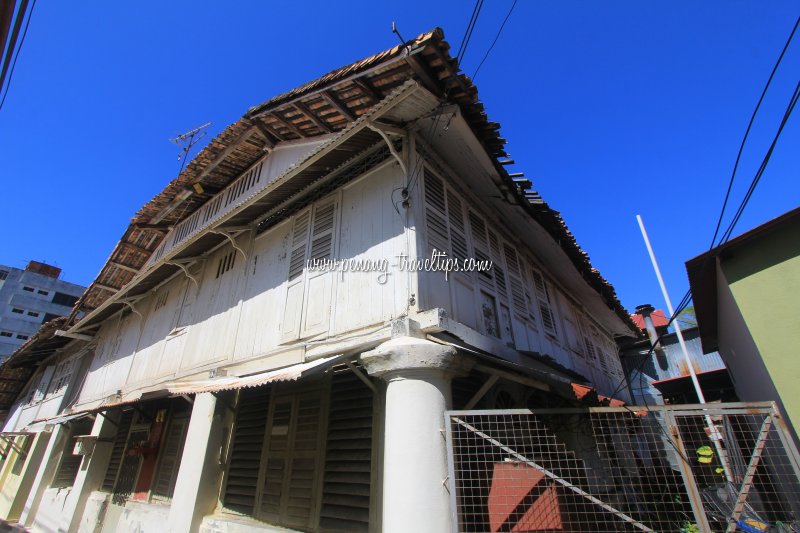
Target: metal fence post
{"points": [[451, 472], [688, 476]]}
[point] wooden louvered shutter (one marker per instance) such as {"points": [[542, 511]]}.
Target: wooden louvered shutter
{"points": [[518, 298], [322, 232], [481, 247], [70, 464], [292, 313], [435, 213], [293, 451], [317, 304], [545, 308], [118, 449], [458, 238], [348, 461], [170, 457], [499, 272], [245, 457]]}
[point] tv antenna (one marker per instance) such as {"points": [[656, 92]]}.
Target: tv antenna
{"points": [[189, 139]]}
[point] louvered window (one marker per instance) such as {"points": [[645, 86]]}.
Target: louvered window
{"points": [[481, 248], [322, 232], [348, 459], [292, 459], [518, 298], [545, 306], [458, 238], [436, 213], [300, 461], [118, 449], [245, 456], [169, 457], [297, 259], [69, 464]]}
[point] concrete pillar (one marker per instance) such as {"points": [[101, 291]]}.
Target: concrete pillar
{"points": [[91, 473], [200, 473], [17, 488], [50, 462], [417, 373]]}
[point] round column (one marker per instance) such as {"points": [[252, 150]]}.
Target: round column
{"points": [[417, 373]]}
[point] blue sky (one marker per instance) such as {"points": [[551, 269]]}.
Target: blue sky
{"points": [[610, 108]]}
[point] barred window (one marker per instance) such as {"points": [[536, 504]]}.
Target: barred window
{"points": [[70, 464]]}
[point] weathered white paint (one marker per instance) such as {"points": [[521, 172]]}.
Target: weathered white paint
{"points": [[239, 315], [199, 476], [49, 513], [139, 517], [44, 473], [417, 373], [90, 475]]}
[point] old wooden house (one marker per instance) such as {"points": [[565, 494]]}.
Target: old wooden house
{"points": [[219, 382]]}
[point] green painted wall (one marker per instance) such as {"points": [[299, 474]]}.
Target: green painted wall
{"points": [[764, 278]]}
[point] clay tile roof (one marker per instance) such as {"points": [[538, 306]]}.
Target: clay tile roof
{"points": [[325, 105]]}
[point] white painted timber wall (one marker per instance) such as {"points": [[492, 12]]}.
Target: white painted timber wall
{"points": [[518, 302], [244, 310]]}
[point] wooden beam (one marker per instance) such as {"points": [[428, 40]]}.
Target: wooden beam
{"points": [[151, 227], [366, 87], [338, 105], [272, 138], [424, 74], [226, 152], [124, 267], [286, 123], [306, 111], [105, 287], [135, 248]]}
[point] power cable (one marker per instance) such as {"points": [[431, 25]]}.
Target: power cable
{"points": [[789, 109], [462, 49], [16, 56], [749, 126], [475, 75]]}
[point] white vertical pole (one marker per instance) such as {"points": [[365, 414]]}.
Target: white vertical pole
{"points": [[678, 332], [715, 435]]}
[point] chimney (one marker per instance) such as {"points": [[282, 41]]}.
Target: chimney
{"points": [[644, 311]]}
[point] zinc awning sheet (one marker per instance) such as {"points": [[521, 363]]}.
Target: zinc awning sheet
{"points": [[289, 373], [39, 425]]}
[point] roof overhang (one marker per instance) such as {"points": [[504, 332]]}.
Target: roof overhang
{"points": [[408, 102]]}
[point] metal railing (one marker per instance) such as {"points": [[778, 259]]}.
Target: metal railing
{"points": [[619, 469]]}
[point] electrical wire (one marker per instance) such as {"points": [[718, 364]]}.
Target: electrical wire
{"points": [[503, 25], [749, 126], [789, 109], [16, 56], [462, 49]]}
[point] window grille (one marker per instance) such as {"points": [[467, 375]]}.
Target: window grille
{"points": [[170, 456], [117, 449]]}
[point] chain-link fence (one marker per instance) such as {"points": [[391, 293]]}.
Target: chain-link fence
{"points": [[712, 468]]}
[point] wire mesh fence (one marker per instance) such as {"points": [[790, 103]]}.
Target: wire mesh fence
{"points": [[713, 468]]}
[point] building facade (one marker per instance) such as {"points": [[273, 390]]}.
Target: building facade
{"points": [[28, 299], [746, 292], [274, 341], [661, 374]]}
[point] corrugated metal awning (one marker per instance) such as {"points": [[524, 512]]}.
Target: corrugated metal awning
{"points": [[39, 425], [289, 373]]}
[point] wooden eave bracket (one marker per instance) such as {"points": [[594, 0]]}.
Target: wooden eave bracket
{"points": [[231, 234], [384, 130], [184, 265], [129, 302]]}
